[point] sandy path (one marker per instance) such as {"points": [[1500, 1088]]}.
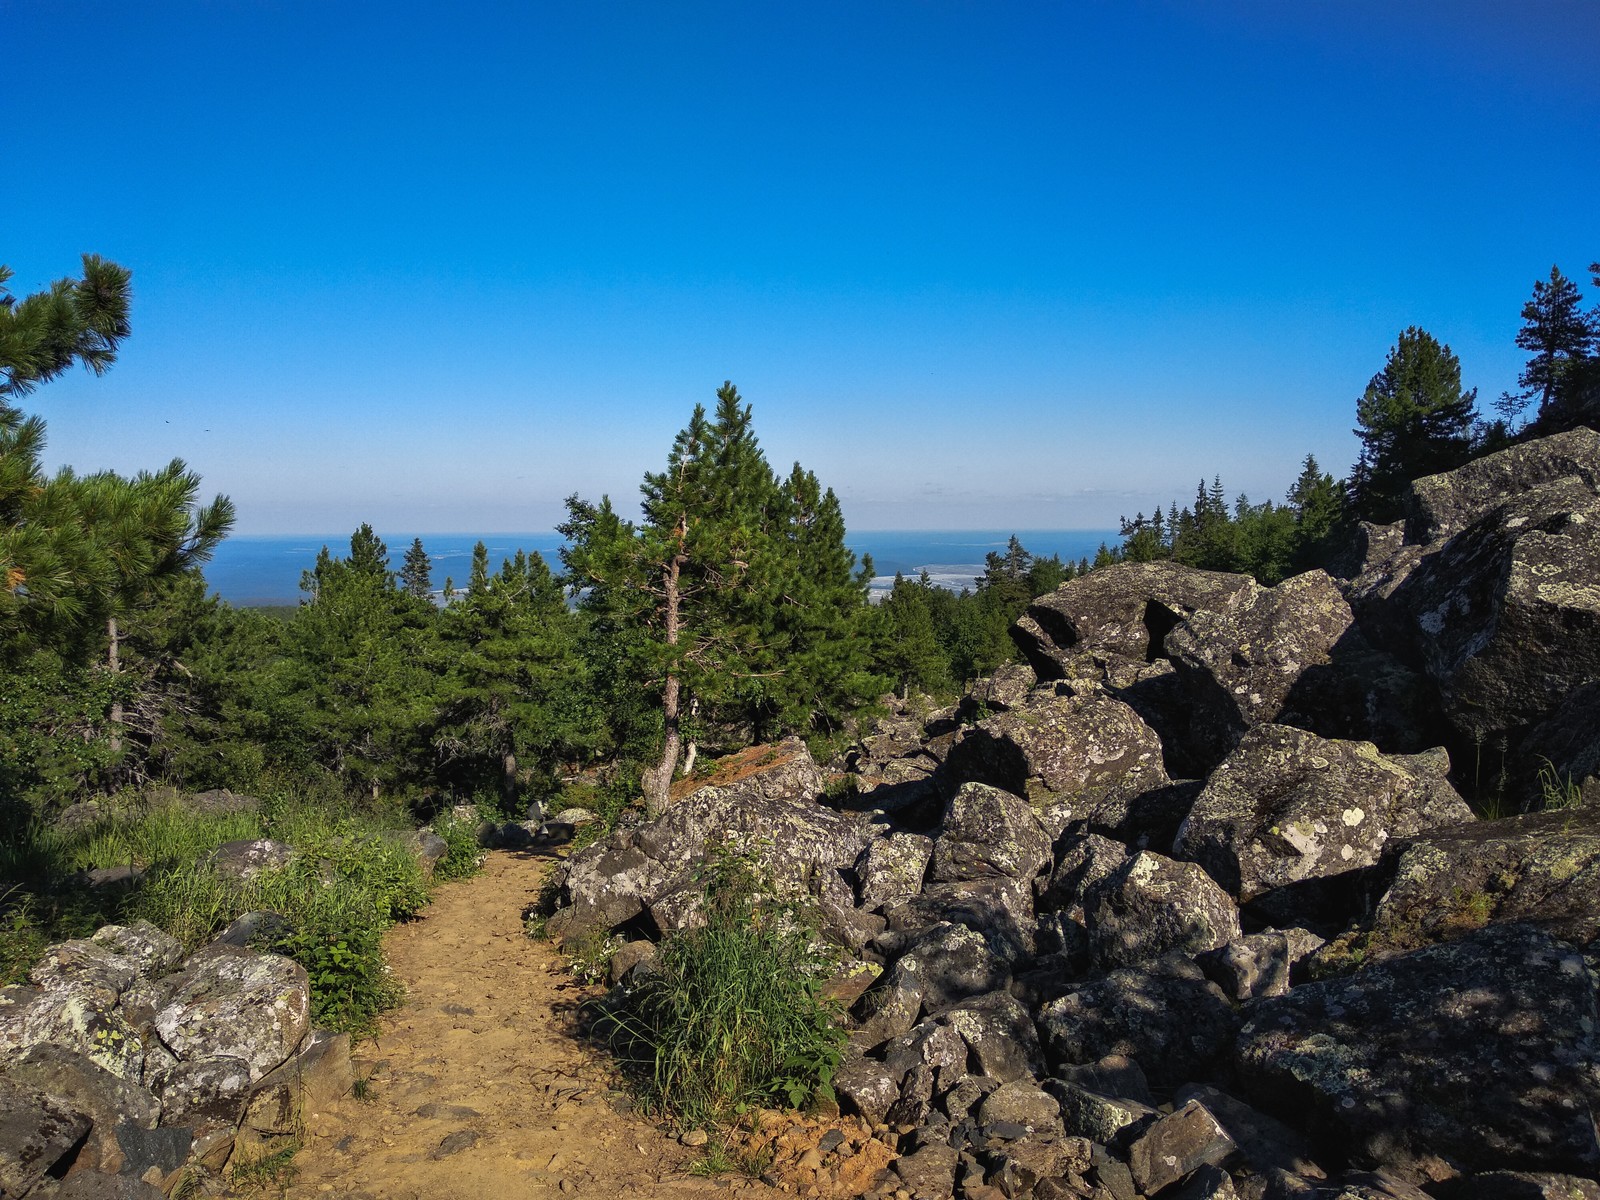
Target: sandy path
{"points": [[478, 1089]]}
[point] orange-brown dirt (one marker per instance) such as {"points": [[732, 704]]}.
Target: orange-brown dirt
{"points": [[479, 1088]]}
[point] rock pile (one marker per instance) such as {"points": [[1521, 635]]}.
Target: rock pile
{"points": [[122, 1058], [1191, 905]]}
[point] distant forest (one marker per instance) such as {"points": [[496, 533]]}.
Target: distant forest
{"points": [[724, 609]]}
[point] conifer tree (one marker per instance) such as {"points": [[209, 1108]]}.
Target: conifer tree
{"points": [[1560, 335], [1414, 420], [416, 572]]}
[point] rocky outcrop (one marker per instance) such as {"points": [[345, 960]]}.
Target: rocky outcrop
{"points": [[150, 1065]]}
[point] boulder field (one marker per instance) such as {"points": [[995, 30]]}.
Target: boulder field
{"points": [[1191, 903]]}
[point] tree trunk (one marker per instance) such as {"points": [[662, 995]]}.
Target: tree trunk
{"points": [[658, 782], [114, 662], [508, 778]]}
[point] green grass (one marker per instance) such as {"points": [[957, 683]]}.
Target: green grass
{"points": [[735, 1018]]}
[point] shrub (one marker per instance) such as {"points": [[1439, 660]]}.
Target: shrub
{"points": [[462, 857], [735, 1017]]}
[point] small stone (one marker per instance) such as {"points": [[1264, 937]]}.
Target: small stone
{"points": [[694, 1137]]}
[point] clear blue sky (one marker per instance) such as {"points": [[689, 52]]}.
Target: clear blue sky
{"points": [[976, 264]]}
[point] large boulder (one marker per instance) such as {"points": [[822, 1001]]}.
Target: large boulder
{"points": [[892, 868], [1289, 808], [1165, 1015], [1440, 506], [1065, 753], [1151, 906], [36, 1132], [85, 1020], [768, 808], [1483, 1051], [1560, 757], [1126, 609], [1291, 655], [1506, 614], [1542, 870], [237, 1004], [986, 833]]}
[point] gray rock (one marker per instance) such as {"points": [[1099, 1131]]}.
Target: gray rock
{"points": [[88, 1185], [1086, 749], [1096, 1115], [891, 1008], [1006, 689], [1126, 609], [1022, 1102], [1561, 752], [951, 963], [148, 950], [1081, 863], [1026, 1162], [1482, 1050], [36, 1131], [1165, 1015], [121, 1112], [1001, 1041], [1264, 1142], [244, 860], [236, 1004], [988, 832], [429, 848], [930, 1171], [867, 1087], [1208, 1183], [203, 1095], [932, 1044], [892, 868], [998, 909], [1288, 807], [254, 928], [1440, 506], [318, 1076], [631, 962], [1290, 655], [1151, 906], [1259, 964], [1542, 869], [770, 810], [1524, 1185], [86, 1020], [1176, 1145]]}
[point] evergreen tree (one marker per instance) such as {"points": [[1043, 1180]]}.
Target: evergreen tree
{"points": [[416, 572], [1559, 334], [1317, 502], [1414, 420], [80, 321]]}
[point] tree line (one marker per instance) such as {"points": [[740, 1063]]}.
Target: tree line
{"points": [[727, 611]]}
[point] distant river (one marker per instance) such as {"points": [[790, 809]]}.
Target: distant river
{"points": [[250, 571]]}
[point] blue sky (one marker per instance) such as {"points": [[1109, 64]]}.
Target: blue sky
{"points": [[978, 265]]}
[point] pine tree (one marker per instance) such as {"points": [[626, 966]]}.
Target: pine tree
{"points": [[416, 572], [1317, 502], [1560, 335], [80, 321], [1414, 420]]}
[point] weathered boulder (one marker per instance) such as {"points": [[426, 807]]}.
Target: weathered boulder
{"points": [[1259, 964], [204, 1095], [317, 1076], [123, 1114], [1290, 655], [1165, 1015], [85, 1020], [36, 1131], [1151, 905], [892, 868], [1561, 755], [988, 832], [245, 860], [1095, 1114], [1082, 861], [1006, 689], [1483, 1051], [769, 808], [1126, 609], [1176, 1145], [1542, 869], [1265, 1143], [1440, 506], [236, 1004], [866, 1086], [930, 1171], [1063, 747], [1288, 807], [1022, 1102], [1002, 1043], [998, 909], [951, 963], [1523, 1185], [1506, 613]]}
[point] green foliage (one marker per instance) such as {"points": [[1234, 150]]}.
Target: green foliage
{"points": [[462, 857], [1557, 793], [1560, 336], [735, 1018]]}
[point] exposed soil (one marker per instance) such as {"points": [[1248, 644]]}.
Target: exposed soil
{"points": [[478, 1088]]}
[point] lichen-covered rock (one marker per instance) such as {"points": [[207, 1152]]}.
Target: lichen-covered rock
{"points": [[86, 1020], [150, 951], [121, 1112], [1126, 609], [1022, 1102], [1288, 806], [1507, 612], [930, 1171], [236, 1004], [1000, 910], [867, 1087], [1081, 862], [1561, 755], [1176, 1145], [1524, 1185], [892, 868], [244, 860], [1165, 1015], [317, 1076], [1055, 747], [1265, 1143], [1002, 1043], [1440, 506], [1542, 869], [1151, 905], [769, 809], [1483, 1051], [204, 1095], [1006, 689], [1259, 964], [1289, 655], [988, 832], [951, 964], [1093, 1114], [36, 1131]]}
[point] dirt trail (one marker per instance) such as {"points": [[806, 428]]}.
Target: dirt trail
{"points": [[478, 1089]]}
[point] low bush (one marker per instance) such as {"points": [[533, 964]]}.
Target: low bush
{"points": [[462, 855], [735, 1016]]}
